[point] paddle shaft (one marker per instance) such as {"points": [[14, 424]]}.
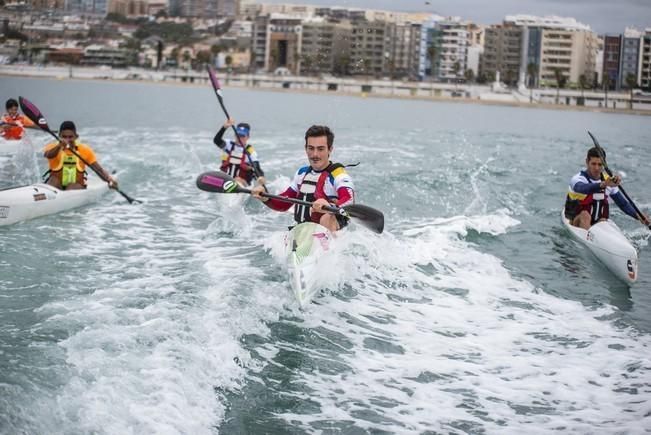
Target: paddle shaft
{"points": [[100, 175], [223, 106], [640, 216], [329, 208]]}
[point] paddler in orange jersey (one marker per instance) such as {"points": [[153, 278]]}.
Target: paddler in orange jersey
{"points": [[67, 171], [13, 123]]}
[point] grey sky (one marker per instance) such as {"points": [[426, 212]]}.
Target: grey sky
{"points": [[604, 16]]}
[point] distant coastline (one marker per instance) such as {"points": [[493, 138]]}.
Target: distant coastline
{"points": [[363, 88]]}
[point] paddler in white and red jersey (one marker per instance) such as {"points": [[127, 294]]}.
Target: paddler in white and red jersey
{"points": [[13, 123], [239, 162], [589, 191], [322, 182]]}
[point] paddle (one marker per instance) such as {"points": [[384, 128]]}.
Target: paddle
{"points": [[219, 182], [32, 112], [602, 154], [218, 92]]}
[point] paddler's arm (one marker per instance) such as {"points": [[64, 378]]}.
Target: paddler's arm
{"points": [[107, 177], [627, 208], [345, 197], [53, 150], [219, 137], [258, 170], [28, 123], [588, 188], [275, 204]]}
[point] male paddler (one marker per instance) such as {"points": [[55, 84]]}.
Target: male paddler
{"points": [[322, 182], [239, 159], [589, 191], [13, 124], [67, 170]]}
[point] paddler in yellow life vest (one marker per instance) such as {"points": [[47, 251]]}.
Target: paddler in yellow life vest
{"points": [[587, 198], [13, 124], [67, 171], [240, 163]]}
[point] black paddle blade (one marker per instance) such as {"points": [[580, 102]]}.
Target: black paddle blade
{"points": [[218, 182], [213, 79], [32, 112], [369, 217]]}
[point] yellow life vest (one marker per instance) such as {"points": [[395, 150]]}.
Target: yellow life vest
{"points": [[70, 166]]}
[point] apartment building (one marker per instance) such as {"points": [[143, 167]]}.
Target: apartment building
{"points": [[630, 57], [530, 50], [645, 60], [276, 42], [204, 8], [128, 8], [450, 40], [612, 60], [404, 50], [502, 53], [573, 52], [325, 46], [370, 47]]}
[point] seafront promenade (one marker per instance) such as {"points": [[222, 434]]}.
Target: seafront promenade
{"points": [[496, 93]]}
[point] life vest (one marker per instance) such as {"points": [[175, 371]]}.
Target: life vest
{"points": [[594, 203], [236, 165], [13, 132], [72, 170], [311, 189]]}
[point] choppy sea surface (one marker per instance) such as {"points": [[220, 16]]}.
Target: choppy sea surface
{"points": [[474, 312]]}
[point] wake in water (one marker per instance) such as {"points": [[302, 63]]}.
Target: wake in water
{"points": [[428, 334], [20, 164], [176, 316]]}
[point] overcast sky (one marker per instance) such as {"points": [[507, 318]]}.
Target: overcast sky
{"points": [[604, 16]]}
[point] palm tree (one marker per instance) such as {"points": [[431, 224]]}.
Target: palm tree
{"points": [[431, 53], [583, 83], [606, 85], [469, 75], [560, 81], [631, 83], [532, 72], [306, 62]]}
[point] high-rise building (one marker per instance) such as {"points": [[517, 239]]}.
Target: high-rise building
{"points": [[612, 58], [94, 7], [325, 46], [502, 53], [531, 50], [276, 42], [204, 8], [630, 57], [645, 60], [370, 47]]}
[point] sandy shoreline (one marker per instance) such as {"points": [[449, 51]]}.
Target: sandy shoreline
{"points": [[234, 82]]}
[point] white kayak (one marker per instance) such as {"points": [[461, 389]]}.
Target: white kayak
{"points": [[607, 242], [305, 246], [28, 202]]}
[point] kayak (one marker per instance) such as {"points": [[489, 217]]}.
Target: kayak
{"points": [[305, 246], [607, 242], [28, 202]]}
